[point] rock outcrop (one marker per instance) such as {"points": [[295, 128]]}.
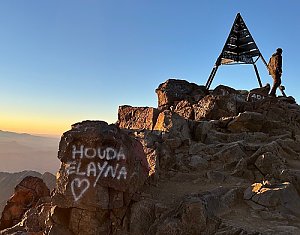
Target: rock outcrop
{"points": [[101, 172], [8, 182], [27, 194], [173, 91], [202, 162], [237, 149], [136, 118], [282, 197]]}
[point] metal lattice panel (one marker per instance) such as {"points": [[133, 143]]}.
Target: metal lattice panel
{"points": [[239, 48]]}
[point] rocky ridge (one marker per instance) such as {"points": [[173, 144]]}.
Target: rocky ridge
{"points": [[226, 157], [202, 162], [8, 181], [30, 191]]}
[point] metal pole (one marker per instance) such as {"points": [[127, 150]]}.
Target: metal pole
{"points": [[263, 59], [211, 76], [257, 74]]}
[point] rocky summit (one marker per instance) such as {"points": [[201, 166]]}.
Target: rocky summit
{"points": [[223, 161]]}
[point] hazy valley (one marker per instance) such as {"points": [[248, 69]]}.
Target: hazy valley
{"points": [[19, 152]]}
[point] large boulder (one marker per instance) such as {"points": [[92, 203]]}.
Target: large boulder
{"points": [[224, 90], [247, 122], [214, 107], [102, 169], [173, 124], [35, 220], [260, 93], [137, 117], [280, 114], [185, 109], [191, 216], [27, 193], [270, 164], [174, 90], [282, 197]]}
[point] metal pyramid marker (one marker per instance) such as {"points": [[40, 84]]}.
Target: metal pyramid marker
{"points": [[239, 48]]}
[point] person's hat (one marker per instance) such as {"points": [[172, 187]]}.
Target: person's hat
{"points": [[279, 50]]}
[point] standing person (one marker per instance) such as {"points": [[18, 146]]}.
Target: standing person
{"points": [[275, 70]]}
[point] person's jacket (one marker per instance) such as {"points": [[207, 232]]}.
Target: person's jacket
{"points": [[275, 64]]}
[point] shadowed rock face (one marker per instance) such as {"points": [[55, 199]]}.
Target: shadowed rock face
{"points": [[26, 195], [102, 168], [8, 182]]}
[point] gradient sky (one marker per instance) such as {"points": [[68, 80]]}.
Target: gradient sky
{"points": [[66, 61]]}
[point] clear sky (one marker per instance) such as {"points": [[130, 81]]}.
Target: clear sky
{"points": [[66, 61]]}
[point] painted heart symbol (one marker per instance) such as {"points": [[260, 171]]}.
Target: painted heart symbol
{"points": [[79, 187]]}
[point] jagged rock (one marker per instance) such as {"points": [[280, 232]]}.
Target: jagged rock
{"points": [[153, 162], [279, 114], [222, 90], [102, 168], [272, 147], [230, 154], [292, 176], [8, 182], [215, 107], [167, 160], [216, 137], [190, 217], [281, 196], [258, 93], [27, 193], [269, 163], [202, 129], [174, 90], [246, 122], [142, 217], [185, 109], [241, 170], [151, 140], [35, 220], [137, 117], [60, 219], [173, 124]]}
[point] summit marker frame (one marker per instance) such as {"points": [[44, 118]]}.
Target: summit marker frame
{"points": [[239, 48]]}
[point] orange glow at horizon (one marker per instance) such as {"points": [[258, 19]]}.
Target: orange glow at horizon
{"points": [[35, 126], [40, 125]]}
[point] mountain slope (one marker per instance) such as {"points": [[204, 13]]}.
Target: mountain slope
{"points": [[20, 152]]}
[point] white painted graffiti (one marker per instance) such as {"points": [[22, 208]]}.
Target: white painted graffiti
{"points": [[104, 163], [255, 97], [100, 153], [79, 187]]}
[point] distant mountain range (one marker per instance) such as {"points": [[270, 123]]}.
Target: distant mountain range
{"points": [[8, 181], [19, 152]]}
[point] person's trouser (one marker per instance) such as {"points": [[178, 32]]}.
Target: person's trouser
{"points": [[276, 83]]}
